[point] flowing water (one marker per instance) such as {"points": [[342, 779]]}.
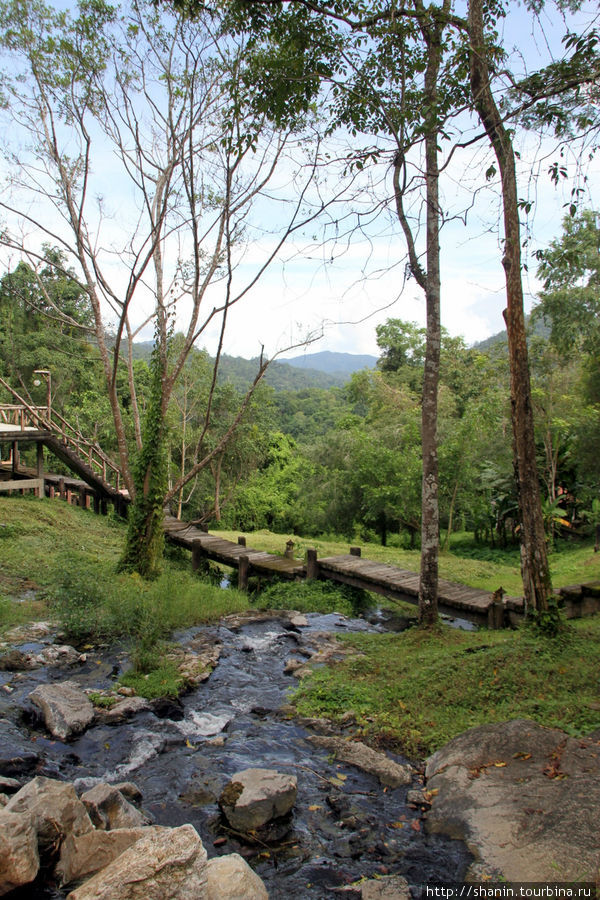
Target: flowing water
{"points": [[345, 825]]}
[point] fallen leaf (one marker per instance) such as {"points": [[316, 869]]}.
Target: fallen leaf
{"points": [[499, 764], [415, 825], [396, 824], [314, 807]]}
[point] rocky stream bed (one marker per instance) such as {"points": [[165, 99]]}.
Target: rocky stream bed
{"points": [[347, 824], [509, 801]]}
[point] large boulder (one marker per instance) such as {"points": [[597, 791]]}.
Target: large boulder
{"points": [[17, 756], [255, 796], [171, 863], [231, 878], [55, 808], [19, 860], [524, 798], [83, 855], [108, 808], [357, 754], [66, 709]]}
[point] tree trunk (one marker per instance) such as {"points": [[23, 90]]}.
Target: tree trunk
{"points": [[430, 513], [534, 558]]}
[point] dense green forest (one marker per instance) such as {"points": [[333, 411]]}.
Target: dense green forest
{"points": [[345, 460]]}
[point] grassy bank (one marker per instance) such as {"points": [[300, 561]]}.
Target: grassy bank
{"points": [[414, 691], [67, 557]]}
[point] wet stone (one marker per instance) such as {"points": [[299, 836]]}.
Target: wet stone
{"points": [[17, 755]]}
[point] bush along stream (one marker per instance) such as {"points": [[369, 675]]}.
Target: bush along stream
{"points": [[351, 820]]}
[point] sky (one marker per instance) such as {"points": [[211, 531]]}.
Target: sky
{"points": [[335, 294], [312, 294]]}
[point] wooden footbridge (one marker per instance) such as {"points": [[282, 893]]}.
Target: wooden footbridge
{"points": [[456, 600], [99, 481]]}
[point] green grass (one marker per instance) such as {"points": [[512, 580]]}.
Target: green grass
{"points": [[478, 566], [416, 690], [162, 681], [314, 596], [69, 557]]}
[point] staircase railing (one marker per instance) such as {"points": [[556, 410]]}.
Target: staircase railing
{"points": [[43, 418]]}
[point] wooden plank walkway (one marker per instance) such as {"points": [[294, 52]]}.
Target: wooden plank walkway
{"points": [[382, 578]]}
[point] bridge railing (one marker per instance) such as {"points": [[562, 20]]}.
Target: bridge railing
{"points": [[44, 418]]}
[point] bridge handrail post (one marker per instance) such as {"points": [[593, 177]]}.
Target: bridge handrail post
{"points": [[243, 570], [197, 554], [312, 563]]}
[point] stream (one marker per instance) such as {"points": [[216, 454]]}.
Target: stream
{"points": [[181, 755]]}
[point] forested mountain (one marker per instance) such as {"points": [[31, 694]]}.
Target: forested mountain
{"points": [[315, 370], [343, 364]]}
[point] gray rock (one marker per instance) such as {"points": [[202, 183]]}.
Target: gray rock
{"points": [[130, 791], [170, 864], [9, 785], [255, 796], [83, 855], [231, 878], [17, 755], [55, 808], [524, 798], [122, 710], [60, 655], [18, 661], [19, 860], [65, 708], [391, 887], [357, 754], [108, 809]]}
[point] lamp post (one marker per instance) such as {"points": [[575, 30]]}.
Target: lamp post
{"points": [[47, 375]]}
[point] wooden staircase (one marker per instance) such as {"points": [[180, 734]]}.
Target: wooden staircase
{"points": [[22, 422]]}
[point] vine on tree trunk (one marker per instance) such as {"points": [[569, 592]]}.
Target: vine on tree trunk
{"points": [[145, 534]]}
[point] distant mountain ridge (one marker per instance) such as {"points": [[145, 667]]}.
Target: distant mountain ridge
{"points": [[311, 370], [331, 362]]}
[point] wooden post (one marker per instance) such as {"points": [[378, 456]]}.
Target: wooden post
{"points": [[243, 569], [496, 610], [15, 457], [84, 498], [312, 565], [197, 554], [355, 551], [51, 491], [69, 496], [242, 541], [61, 488]]}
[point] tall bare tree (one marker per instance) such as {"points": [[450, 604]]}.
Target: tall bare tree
{"points": [[134, 151]]}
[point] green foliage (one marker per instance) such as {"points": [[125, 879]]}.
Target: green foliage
{"points": [[145, 535], [570, 271], [154, 679], [314, 596]]}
